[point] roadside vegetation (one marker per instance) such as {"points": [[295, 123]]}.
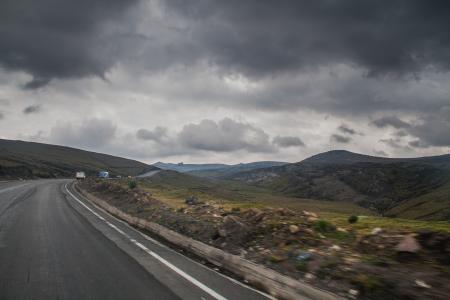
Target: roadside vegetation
{"points": [[333, 245]]}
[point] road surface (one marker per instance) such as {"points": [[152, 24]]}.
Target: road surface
{"points": [[54, 244]]}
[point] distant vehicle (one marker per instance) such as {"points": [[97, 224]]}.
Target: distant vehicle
{"points": [[103, 174], [80, 175]]}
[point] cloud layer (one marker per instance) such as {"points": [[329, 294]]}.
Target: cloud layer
{"points": [[227, 80]]}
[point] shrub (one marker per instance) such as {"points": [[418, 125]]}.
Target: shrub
{"points": [[353, 219], [323, 226], [276, 259], [132, 184], [302, 267]]}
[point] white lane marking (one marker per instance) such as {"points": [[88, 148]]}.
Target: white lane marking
{"points": [[162, 260], [184, 256], [200, 265]]}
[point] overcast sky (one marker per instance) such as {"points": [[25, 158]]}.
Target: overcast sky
{"points": [[227, 81]]}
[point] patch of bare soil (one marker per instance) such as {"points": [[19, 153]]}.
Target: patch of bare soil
{"points": [[381, 265]]}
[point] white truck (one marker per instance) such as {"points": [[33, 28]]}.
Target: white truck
{"points": [[80, 175]]}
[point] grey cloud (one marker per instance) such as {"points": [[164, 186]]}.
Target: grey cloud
{"points": [[417, 144], [432, 131], [91, 134], [224, 136], [396, 144], [347, 130], [400, 133], [31, 109], [340, 138], [380, 153], [157, 134], [288, 141], [428, 129], [2, 115], [390, 121], [59, 38]]}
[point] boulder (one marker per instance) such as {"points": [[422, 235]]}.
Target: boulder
{"points": [[310, 214], [312, 219], [234, 229], [254, 215], [294, 229], [222, 232], [376, 230], [335, 248], [409, 244], [191, 200]]}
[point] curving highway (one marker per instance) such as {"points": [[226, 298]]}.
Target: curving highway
{"points": [[54, 244]]}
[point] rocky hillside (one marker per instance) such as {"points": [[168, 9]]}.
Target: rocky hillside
{"points": [[381, 184], [20, 159], [351, 259]]}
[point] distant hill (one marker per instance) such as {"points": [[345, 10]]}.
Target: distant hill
{"points": [[390, 186], [19, 159], [229, 170], [183, 168], [216, 170]]}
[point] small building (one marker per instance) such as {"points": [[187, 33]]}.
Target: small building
{"points": [[103, 174]]}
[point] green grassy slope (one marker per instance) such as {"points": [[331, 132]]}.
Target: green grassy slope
{"points": [[379, 184], [174, 187], [434, 205], [20, 159]]}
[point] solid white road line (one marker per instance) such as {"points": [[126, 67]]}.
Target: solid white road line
{"points": [[185, 257], [153, 254]]}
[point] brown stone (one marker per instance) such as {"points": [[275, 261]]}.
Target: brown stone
{"points": [[408, 244], [294, 229]]}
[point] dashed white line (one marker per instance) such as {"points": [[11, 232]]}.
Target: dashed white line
{"points": [[153, 254]]}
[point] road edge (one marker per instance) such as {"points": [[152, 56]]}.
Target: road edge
{"points": [[274, 283]]}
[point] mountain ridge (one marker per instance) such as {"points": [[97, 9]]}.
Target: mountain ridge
{"points": [[380, 184], [21, 159]]}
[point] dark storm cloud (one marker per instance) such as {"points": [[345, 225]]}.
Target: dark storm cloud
{"points": [[58, 38], [428, 129], [65, 39], [260, 37], [347, 130], [288, 141], [390, 121], [340, 138], [31, 109]]}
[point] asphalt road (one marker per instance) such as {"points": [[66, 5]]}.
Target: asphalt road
{"points": [[54, 244]]}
